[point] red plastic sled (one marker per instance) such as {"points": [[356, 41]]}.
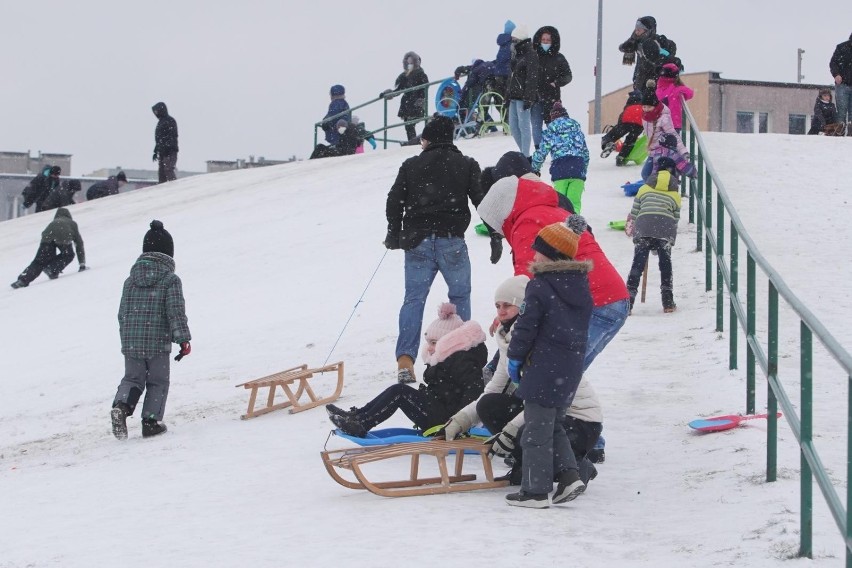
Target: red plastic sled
{"points": [[719, 423]]}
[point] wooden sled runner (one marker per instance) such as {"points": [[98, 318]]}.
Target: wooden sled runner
{"points": [[285, 380], [353, 459]]}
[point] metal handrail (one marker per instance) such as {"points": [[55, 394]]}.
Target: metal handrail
{"points": [[727, 278], [384, 129]]}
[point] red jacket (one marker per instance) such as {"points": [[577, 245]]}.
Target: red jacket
{"points": [[632, 114], [536, 206]]}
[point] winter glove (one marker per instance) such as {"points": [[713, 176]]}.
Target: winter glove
{"points": [[372, 142], [503, 444], [82, 267], [514, 368], [496, 248], [185, 349], [386, 94], [451, 430], [154, 158], [509, 26], [392, 242], [487, 374]]}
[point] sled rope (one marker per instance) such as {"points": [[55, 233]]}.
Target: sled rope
{"points": [[361, 299]]}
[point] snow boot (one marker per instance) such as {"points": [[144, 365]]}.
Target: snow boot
{"points": [[118, 415], [596, 455], [570, 486], [333, 410], [619, 161], [513, 476], [349, 425], [19, 284], [151, 428], [531, 500], [405, 371], [607, 149], [668, 302]]}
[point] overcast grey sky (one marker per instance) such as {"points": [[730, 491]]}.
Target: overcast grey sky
{"points": [[251, 77]]}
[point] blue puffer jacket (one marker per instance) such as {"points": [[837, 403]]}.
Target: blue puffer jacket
{"points": [[551, 332], [502, 64], [565, 142], [336, 105]]}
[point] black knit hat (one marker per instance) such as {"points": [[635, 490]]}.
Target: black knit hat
{"points": [[649, 98], [557, 110], [512, 164], [158, 239], [121, 176], [439, 130], [55, 170]]}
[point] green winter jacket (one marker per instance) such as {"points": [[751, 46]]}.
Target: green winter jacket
{"points": [[152, 314], [63, 231]]}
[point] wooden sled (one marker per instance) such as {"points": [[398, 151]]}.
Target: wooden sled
{"points": [[285, 380], [353, 459]]}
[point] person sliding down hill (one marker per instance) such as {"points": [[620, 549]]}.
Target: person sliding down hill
{"points": [[454, 354], [151, 316]]}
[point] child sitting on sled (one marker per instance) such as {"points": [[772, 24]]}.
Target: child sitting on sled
{"points": [[454, 354], [629, 125], [565, 141]]}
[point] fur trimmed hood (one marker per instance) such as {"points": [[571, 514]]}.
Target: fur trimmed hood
{"points": [[542, 267], [463, 338]]}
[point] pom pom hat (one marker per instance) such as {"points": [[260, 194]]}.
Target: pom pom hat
{"points": [[447, 321], [559, 241]]}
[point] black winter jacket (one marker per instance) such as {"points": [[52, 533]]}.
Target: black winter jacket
{"points": [[413, 104], [456, 381], [647, 50], [523, 82], [103, 189], [551, 332], [841, 61], [166, 133], [61, 196], [553, 69], [39, 188], [430, 195]]}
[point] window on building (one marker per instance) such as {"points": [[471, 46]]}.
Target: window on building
{"points": [[745, 122], [763, 122], [797, 124]]}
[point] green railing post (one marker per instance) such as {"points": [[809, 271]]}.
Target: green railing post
{"points": [[772, 374], [849, 472], [708, 221], [751, 326], [699, 233], [720, 261], [315, 136], [385, 128], [734, 296], [807, 411]]}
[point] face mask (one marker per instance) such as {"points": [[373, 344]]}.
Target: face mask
{"points": [[545, 47], [341, 130], [410, 67]]}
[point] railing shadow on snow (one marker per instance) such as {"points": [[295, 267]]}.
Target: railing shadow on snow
{"points": [[742, 315]]}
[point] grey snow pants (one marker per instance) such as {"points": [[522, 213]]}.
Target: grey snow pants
{"points": [[546, 448], [145, 375]]}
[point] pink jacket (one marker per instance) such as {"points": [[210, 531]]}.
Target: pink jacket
{"points": [[670, 94], [662, 125]]}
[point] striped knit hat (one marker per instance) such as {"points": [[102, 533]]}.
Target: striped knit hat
{"points": [[559, 241]]}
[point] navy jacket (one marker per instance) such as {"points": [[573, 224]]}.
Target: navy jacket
{"points": [[503, 62], [166, 133], [551, 333], [332, 136]]}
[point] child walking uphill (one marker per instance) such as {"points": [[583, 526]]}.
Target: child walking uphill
{"points": [[672, 92], [548, 344], [151, 317], [657, 121], [565, 141], [653, 225]]}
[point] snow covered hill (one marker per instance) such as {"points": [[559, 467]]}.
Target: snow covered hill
{"points": [[273, 261]]}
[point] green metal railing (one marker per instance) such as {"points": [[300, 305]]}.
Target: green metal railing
{"points": [[744, 314], [385, 127]]}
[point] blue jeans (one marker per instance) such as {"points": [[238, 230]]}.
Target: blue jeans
{"points": [[537, 120], [605, 323], [843, 100], [519, 124], [447, 255]]}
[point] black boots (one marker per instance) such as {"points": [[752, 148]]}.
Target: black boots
{"points": [[151, 427], [119, 415]]}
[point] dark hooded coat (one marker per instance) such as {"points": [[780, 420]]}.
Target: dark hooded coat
{"points": [[166, 133], [413, 104], [553, 70]]}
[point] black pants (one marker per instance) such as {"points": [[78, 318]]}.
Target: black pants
{"points": [[632, 131], [166, 169], [414, 403], [47, 259], [323, 151], [642, 247], [495, 410]]}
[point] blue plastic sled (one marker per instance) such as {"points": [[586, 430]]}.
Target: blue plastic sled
{"points": [[631, 189], [399, 436]]}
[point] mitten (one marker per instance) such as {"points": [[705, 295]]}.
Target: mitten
{"points": [[503, 444], [82, 267], [185, 349], [392, 241], [496, 248], [509, 26], [372, 142], [514, 368], [451, 429], [154, 158]]}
